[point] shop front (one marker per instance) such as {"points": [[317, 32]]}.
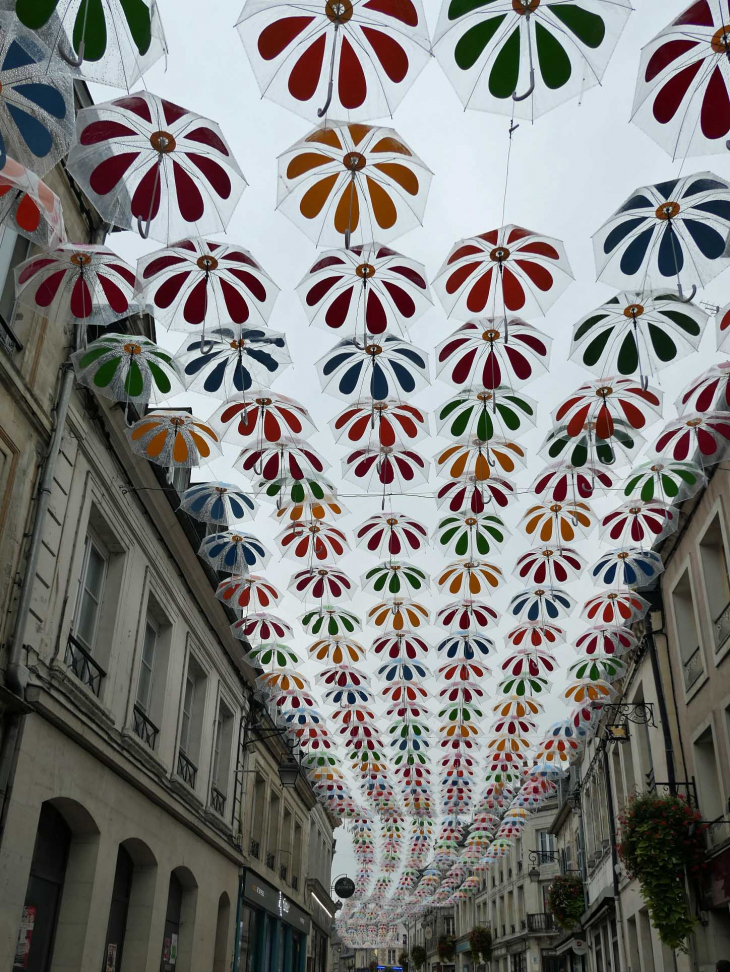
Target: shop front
{"points": [[272, 929]]}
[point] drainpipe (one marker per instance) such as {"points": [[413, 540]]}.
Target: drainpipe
{"points": [[614, 856], [662, 703]]}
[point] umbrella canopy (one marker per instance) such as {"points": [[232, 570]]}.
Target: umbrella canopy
{"points": [[477, 458], [356, 182], [535, 635], [173, 439], [260, 415], [563, 480], [395, 578], [127, 368], [391, 533], [464, 534], [466, 647], [296, 499], [549, 565], [627, 567], [606, 639], [383, 423], [320, 583], [336, 650], [539, 604], [382, 369], [485, 414], [639, 522], [229, 361], [464, 578], [491, 351], [587, 449], [672, 481], [710, 391], [245, 592], [399, 613], [234, 553], [217, 503], [397, 469], [29, 207], [261, 628], [463, 615], [313, 540], [701, 435], [402, 644], [154, 167], [558, 522], [290, 458], [615, 608], [334, 622], [467, 494], [605, 401]]}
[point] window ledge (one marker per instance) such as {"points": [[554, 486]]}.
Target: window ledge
{"points": [[131, 741], [722, 653], [695, 689], [183, 790], [62, 678], [218, 822]]}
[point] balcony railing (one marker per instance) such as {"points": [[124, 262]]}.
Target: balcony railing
{"points": [[693, 668], [721, 627], [217, 800], [145, 728], [86, 670], [541, 922], [271, 862], [255, 849], [186, 769]]}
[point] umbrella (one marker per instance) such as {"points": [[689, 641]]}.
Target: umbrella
{"points": [[399, 614], [152, 166], [538, 604], [467, 494], [369, 288], [318, 583], [394, 578], [289, 457], [485, 414], [463, 534], [343, 675], [627, 567], [465, 646], [298, 499], [230, 360], [604, 401], [477, 458], [463, 615], [402, 670], [196, 283], [562, 480], [112, 42], [283, 682], [389, 423], [391, 533], [598, 668], [511, 269], [702, 434], [344, 181], [127, 368], [710, 391], [247, 591], [233, 553], [380, 369], [489, 351], [549, 522], [217, 503], [396, 470], [639, 522], [535, 635], [334, 622], [614, 608], [337, 650], [262, 416], [607, 639], [670, 480], [549, 565], [681, 97], [488, 52], [587, 690], [78, 282], [637, 332], [517, 706], [722, 322], [673, 231], [402, 644], [262, 628], [174, 439], [589, 450], [28, 206], [463, 578], [313, 540], [343, 59]]}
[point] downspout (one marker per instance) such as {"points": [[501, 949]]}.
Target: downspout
{"points": [[662, 703], [614, 856]]}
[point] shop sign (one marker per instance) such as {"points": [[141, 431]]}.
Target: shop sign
{"points": [[262, 894], [344, 887]]}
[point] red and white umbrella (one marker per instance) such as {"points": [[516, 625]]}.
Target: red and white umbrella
{"points": [[289, 457], [261, 628], [318, 583], [387, 424], [706, 435], [260, 415], [606, 639], [606, 403], [246, 592], [639, 522], [397, 470], [615, 607], [549, 565], [391, 533], [27, 205], [469, 495], [466, 615], [491, 352], [313, 540]]}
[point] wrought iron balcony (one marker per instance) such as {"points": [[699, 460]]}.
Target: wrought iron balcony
{"points": [[186, 769], [693, 668], [86, 670], [217, 800], [254, 849], [271, 861], [541, 923], [145, 728], [721, 627]]}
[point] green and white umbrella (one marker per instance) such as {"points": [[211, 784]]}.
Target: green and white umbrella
{"points": [[128, 368]]}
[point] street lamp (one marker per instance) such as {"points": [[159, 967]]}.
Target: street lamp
{"points": [[289, 771], [534, 874]]}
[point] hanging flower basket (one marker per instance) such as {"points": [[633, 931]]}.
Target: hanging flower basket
{"points": [[446, 947], [566, 901], [418, 956], [480, 943]]}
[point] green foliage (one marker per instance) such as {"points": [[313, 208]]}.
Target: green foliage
{"points": [[419, 956], [480, 943], [661, 838], [566, 901], [403, 959], [446, 947]]}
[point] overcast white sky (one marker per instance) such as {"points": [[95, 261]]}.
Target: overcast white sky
{"points": [[569, 172]]}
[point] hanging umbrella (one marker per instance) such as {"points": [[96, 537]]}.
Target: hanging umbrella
{"points": [[637, 333], [598, 668], [77, 282], [391, 533], [614, 608], [402, 669], [485, 414], [539, 604], [681, 97], [198, 283], [465, 646], [463, 578], [334, 622], [702, 434], [283, 682], [217, 503], [508, 269], [248, 591], [343, 675], [401, 644], [672, 481], [261, 415], [233, 553], [491, 53], [489, 351], [463, 534], [289, 457], [336, 650], [368, 289], [296, 499], [536, 635], [112, 42], [474, 457], [562, 480], [722, 323], [710, 391], [28, 206], [517, 706], [313, 540], [227, 361], [589, 450], [261, 628], [586, 690], [604, 401], [386, 470], [467, 614], [467, 494], [549, 565], [347, 181], [381, 369], [154, 167], [673, 232], [394, 578], [606, 639], [318, 583], [550, 522], [399, 613], [343, 60], [639, 522], [127, 368], [387, 423], [627, 567], [174, 439]]}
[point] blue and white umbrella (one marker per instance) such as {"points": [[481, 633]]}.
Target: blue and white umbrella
{"points": [[627, 567], [218, 503], [234, 553]]}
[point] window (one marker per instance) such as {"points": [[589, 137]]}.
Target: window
{"points": [[714, 568], [545, 846], [147, 664], [222, 738], [191, 720], [91, 593], [13, 250], [708, 783], [187, 712], [686, 627]]}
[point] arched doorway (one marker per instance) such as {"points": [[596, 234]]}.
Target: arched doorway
{"points": [[118, 910], [220, 954], [177, 940]]}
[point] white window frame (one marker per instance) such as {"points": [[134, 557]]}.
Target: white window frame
{"points": [[186, 721], [146, 704], [91, 540]]}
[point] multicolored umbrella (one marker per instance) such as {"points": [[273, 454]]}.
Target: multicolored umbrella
{"points": [[588, 449], [627, 567], [395, 578], [352, 181], [488, 53], [490, 352], [549, 565], [511, 269], [77, 282], [127, 368], [228, 361], [234, 553], [640, 522], [467, 614], [606, 639], [217, 503], [296, 499], [672, 481], [205, 283], [154, 167], [463, 534], [399, 613], [386, 423], [391, 533], [341, 59], [561, 522], [673, 231], [261, 416], [320, 583], [704, 434], [541, 605], [562, 480], [313, 540], [615, 608], [485, 414], [334, 622], [381, 369], [710, 391], [261, 628], [28, 206], [288, 458], [368, 289], [603, 402], [247, 591], [468, 494], [463, 578], [399, 469], [681, 97], [173, 439]]}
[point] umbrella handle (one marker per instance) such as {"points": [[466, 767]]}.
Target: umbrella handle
{"points": [[321, 112], [71, 59], [686, 300], [526, 95]]}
